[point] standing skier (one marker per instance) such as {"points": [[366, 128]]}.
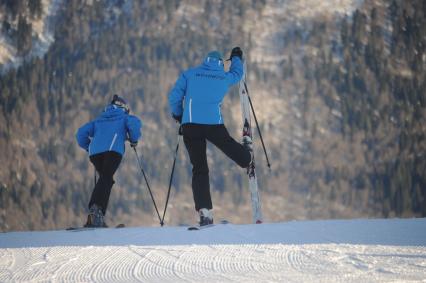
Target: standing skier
{"points": [[195, 102], [103, 139]]}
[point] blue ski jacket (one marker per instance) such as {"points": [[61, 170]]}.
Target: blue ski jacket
{"points": [[109, 131], [198, 93]]}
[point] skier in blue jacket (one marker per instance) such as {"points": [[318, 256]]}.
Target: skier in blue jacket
{"points": [[195, 102], [104, 140]]}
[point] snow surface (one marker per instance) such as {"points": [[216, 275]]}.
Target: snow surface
{"points": [[299, 251]]}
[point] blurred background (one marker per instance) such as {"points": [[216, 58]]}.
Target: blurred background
{"points": [[338, 87]]}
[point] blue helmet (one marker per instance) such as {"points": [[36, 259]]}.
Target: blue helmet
{"points": [[215, 55]]}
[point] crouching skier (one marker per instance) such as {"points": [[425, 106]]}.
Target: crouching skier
{"points": [[104, 140], [195, 102]]}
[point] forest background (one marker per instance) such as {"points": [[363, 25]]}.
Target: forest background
{"points": [[338, 88]]}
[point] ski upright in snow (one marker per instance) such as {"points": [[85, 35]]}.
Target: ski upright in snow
{"points": [[247, 132], [76, 229]]}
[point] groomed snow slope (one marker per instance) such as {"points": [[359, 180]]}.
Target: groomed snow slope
{"points": [[302, 251]]}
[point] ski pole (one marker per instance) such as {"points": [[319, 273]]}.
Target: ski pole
{"points": [[257, 126], [171, 175], [149, 189]]}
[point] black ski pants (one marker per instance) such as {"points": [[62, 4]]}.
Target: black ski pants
{"points": [[106, 163], [195, 137]]}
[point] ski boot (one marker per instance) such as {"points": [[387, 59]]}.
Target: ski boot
{"points": [[206, 216], [95, 218], [248, 145]]}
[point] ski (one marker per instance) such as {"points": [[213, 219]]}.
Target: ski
{"points": [[247, 132], [76, 229], [198, 227]]}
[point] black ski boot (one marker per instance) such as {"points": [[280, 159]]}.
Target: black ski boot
{"points": [[95, 219], [206, 216]]}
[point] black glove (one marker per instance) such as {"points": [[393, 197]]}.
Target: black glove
{"points": [[236, 51], [133, 144], [178, 118]]}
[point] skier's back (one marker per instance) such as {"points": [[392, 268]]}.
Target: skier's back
{"points": [[195, 102]]}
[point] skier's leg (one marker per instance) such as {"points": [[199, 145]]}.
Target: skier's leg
{"points": [[97, 161], [195, 144], [219, 136], [101, 194], [110, 165]]}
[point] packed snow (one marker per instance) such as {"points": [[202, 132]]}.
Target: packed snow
{"points": [[299, 251]]}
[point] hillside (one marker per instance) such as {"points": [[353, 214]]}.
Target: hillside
{"points": [[299, 251], [26, 31], [338, 89]]}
